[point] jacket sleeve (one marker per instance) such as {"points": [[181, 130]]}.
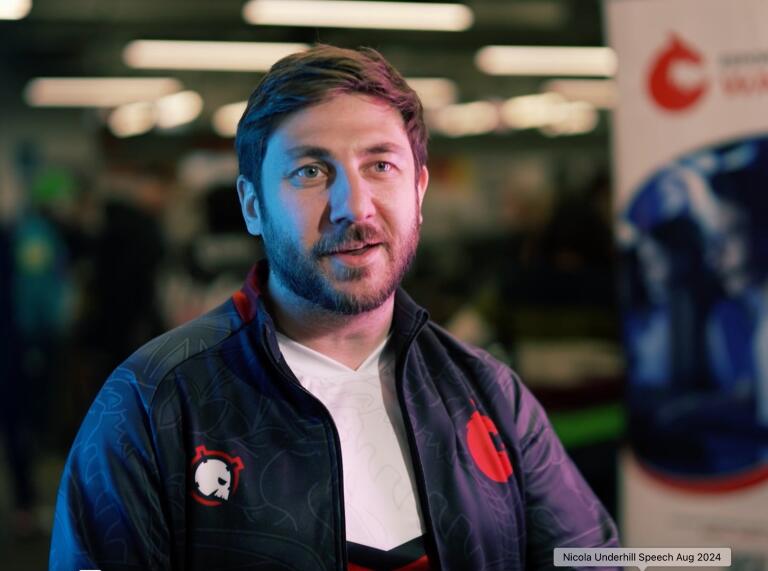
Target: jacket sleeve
{"points": [[561, 509], [109, 512]]}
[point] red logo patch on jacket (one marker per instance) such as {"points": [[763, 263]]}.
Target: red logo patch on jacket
{"points": [[216, 476], [490, 456]]}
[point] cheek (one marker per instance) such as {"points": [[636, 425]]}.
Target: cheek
{"points": [[300, 220], [404, 214]]}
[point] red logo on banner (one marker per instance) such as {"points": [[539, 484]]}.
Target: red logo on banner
{"points": [[665, 88], [490, 456]]}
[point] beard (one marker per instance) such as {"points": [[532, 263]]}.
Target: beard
{"points": [[302, 272]]}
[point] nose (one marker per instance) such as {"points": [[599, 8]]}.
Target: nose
{"points": [[350, 198]]}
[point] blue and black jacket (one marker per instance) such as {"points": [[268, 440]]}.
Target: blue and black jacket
{"points": [[496, 489]]}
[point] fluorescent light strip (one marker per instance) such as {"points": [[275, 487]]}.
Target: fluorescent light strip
{"points": [[550, 112], [537, 60], [576, 118], [132, 119], [212, 56], [462, 119], [166, 113], [96, 91], [434, 91], [226, 117], [14, 9], [178, 109], [529, 111], [353, 14], [602, 93]]}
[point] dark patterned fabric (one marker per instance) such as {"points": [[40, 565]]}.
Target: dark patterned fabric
{"points": [[202, 451]]}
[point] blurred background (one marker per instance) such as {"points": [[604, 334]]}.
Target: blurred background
{"points": [[119, 217]]}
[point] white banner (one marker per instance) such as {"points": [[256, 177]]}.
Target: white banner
{"points": [[691, 72], [691, 176]]}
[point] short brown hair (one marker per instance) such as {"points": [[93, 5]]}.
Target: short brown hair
{"points": [[303, 79]]}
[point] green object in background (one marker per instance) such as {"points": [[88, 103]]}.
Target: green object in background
{"points": [[52, 186], [589, 426]]}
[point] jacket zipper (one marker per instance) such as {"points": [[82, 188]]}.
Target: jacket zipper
{"points": [[415, 459], [342, 542]]}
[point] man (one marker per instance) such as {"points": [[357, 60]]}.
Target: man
{"points": [[220, 445]]}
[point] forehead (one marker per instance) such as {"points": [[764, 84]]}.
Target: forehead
{"points": [[343, 122]]}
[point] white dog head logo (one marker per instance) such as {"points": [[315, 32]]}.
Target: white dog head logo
{"points": [[216, 476]]}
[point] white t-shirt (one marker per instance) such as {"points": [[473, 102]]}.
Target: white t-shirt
{"points": [[379, 489]]}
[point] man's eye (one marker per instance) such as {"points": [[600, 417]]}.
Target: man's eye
{"points": [[309, 171], [382, 166]]}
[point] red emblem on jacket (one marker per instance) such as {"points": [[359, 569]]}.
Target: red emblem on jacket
{"points": [[491, 457], [216, 476]]}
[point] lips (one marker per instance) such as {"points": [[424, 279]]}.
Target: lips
{"points": [[354, 255], [353, 249]]}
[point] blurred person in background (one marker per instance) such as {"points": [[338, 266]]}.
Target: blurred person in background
{"points": [[127, 248], [44, 289], [220, 444], [14, 425], [36, 314]]}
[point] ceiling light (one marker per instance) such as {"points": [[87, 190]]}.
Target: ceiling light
{"points": [[216, 56], [552, 113], [350, 14], [14, 9], [575, 118], [602, 93], [178, 109], [132, 119], [434, 91], [537, 60], [463, 119], [530, 111], [96, 91], [225, 118]]}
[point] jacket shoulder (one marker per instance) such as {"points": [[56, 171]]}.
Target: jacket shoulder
{"points": [[436, 338], [492, 381], [153, 362]]}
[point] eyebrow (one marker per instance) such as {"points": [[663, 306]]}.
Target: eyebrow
{"points": [[385, 147], [308, 151], [322, 153]]}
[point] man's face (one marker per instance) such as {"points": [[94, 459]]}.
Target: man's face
{"points": [[341, 203]]}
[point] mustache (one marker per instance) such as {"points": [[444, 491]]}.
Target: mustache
{"points": [[349, 238]]}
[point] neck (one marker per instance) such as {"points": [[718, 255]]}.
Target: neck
{"points": [[348, 339]]}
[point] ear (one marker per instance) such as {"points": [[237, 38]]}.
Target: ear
{"points": [[421, 188], [249, 204]]}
